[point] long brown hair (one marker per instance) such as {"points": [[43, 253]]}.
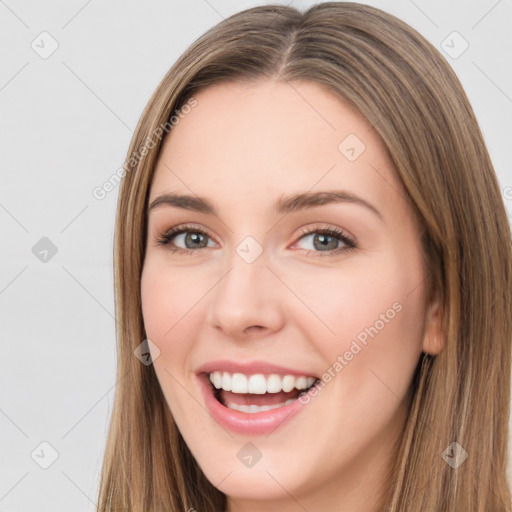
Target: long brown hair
{"points": [[415, 102]]}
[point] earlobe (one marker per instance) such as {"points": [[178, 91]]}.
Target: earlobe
{"points": [[434, 337]]}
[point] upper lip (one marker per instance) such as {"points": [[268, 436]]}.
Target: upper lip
{"points": [[250, 368]]}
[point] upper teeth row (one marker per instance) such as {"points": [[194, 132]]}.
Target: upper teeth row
{"points": [[259, 383]]}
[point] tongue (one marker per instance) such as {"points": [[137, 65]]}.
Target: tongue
{"points": [[254, 399]]}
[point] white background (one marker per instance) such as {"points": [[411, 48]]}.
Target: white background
{"points": [[65, 125]]}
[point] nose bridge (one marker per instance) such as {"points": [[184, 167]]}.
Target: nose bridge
{"points": [[246, 295]]}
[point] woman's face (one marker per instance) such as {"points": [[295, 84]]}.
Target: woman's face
{"points": [[254, 289]]}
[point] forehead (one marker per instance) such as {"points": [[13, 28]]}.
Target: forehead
{"points": [[254, 142]]}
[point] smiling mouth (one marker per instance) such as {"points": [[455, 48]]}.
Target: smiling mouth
{"points": [[259, 392]]}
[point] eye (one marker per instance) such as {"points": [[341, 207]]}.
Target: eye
{"points": [[194, 238], [191, 236], [327, 238]]}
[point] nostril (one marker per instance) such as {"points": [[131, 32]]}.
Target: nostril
{"points": [[257, 327]]}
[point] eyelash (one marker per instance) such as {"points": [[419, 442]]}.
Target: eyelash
{"points": [[166, 238]]}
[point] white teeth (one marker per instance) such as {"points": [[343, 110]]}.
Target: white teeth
{"points": [[257, 408], [288, 382], [217, 379], [273, 383], [226, 381], [301, 382], [259, 384], [238, 383]]}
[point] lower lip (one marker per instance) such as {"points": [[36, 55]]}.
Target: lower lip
{"points": [[258, 423]]}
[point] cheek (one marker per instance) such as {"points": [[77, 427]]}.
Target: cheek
{"points": [[165, 317], [170, 323], [168, 300], [365, 317]]}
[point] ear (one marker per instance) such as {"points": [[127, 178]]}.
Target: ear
{"points": [[434, 339]]}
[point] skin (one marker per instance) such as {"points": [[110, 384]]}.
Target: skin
{"points": [[243, 146]]}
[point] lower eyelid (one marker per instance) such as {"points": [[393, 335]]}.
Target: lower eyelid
{"points": [[345, 247]]}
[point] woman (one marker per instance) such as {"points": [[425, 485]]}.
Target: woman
{"points": [[269, 373]]}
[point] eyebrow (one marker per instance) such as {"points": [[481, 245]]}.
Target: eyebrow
{"points": [[285, 204]]}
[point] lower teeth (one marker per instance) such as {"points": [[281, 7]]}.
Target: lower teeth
{"points": [[257, 408]]}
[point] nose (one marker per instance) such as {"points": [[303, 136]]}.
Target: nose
{"points": [[246, 302]]}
